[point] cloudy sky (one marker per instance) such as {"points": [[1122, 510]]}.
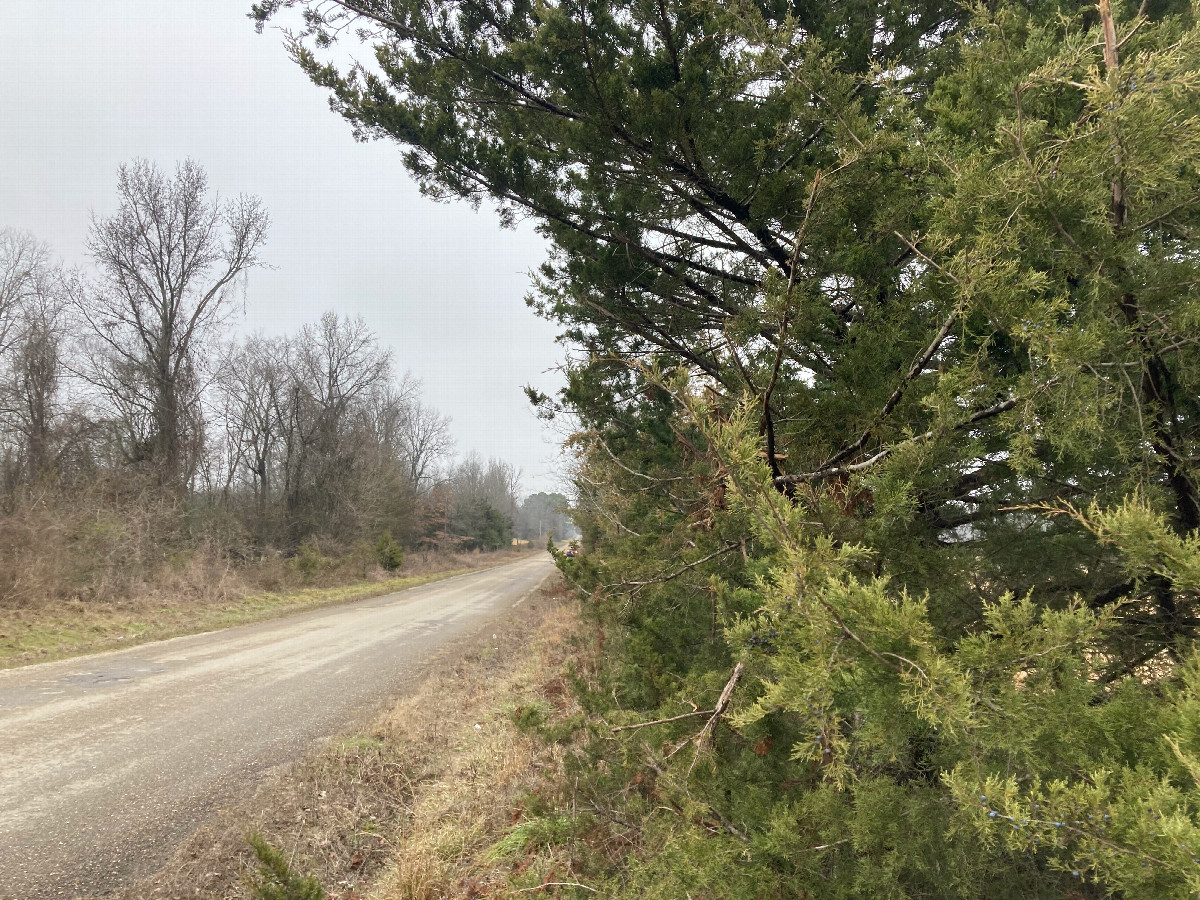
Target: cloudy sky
{"points": [[85, 86]]}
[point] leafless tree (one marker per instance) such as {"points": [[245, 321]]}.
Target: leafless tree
{"points": [[252, 389], [425, 440], [338, 362], [310, 434], [496, 483], [388, 410], [323, 435], [337, 368], [484, 500], [34, 330], [35, 377], [169, 262], [25, 272]]}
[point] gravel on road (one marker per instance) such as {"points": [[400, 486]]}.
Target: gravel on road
{"points": [[108, 761]]}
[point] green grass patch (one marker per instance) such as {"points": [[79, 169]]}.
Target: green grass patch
{"points": [[534, 834], [528, 717], [358, 743]]}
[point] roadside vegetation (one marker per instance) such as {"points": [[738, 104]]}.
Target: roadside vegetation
{"points": [[433, 800], [206, 594], [159, 474], [885, 330]]}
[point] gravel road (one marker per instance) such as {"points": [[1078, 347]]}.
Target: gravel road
{"points": [[108, 761]]}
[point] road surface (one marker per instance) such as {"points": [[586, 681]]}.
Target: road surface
{"points": [[108, 761]]}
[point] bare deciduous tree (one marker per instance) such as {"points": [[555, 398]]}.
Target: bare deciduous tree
{"points": [[35, 379], [337, 369], [25, 270], [32, 333], [252, 388], [272, 441], [324, 435], [484, 500], [424, 440], [169, 261]]}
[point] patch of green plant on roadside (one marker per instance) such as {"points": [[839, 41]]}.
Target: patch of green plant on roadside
{"points": [[275, 879], [361, 742], [309, 561], [563, 730], [536, 833], [389, 554], [537, 718], [529, 717]]}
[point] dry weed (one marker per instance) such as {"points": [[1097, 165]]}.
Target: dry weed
{"points": [[480, 770], [410, 809], [77, 580], [121, 540]]}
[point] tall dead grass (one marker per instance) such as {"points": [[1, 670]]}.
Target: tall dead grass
{"points": [[90, 549], [95, 544], [116, 564], [124, 542], [415, 807], [482, 773]]}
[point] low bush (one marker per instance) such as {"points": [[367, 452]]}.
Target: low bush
{"points": [[389, 554], [275, 879], [310, 562]]}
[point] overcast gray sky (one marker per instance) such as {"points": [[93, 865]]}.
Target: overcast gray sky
{"points": [[86, 85]]}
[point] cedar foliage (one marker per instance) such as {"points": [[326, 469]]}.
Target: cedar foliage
{"points": [[389, 554], [887, 317], [275, 879]]}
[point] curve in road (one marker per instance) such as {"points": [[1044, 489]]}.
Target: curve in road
{"points": [[108, 761]]}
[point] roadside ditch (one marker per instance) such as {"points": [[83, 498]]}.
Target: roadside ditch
{"points": [[438, 798]]}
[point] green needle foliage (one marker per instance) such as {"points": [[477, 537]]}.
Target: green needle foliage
{"points": [[275, 879], [887, 388], [389, 554]]}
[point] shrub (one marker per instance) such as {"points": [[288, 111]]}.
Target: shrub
{"points": [[534, 834], [388, 552], [529, 717], [275, 879], [309, 561]]}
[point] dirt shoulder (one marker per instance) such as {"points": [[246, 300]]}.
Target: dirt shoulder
{"points": [[425, 802], [50, 631]]}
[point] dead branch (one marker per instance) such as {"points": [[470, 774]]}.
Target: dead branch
{"points": [[638, 585], [688, 715], [893, 401], [543, 886], [1110, 36], [706, 732], [714, 715]]}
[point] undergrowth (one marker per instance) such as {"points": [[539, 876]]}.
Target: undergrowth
{"points": [[275, 879], [200, 591]]}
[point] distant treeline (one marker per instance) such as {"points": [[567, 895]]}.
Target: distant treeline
{"points": [[121, 388]]}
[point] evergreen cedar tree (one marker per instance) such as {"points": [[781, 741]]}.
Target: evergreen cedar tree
{"points": [[887, 387]]}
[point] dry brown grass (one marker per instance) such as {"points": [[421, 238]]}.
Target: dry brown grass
{"points": [[103, 571], [332, 813], [476, 777], [115, 540], [413, 808]]}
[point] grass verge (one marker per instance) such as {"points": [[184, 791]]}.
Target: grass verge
{"points": [[57, 631], [452, 793]]}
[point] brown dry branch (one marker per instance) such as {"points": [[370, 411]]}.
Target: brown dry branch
{"points": [[705, 734]]}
